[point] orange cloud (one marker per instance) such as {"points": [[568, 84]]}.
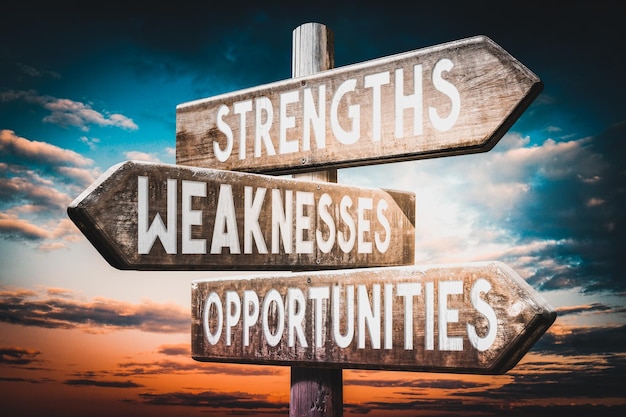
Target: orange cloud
{"points": [[97, 316], [39, 151]]}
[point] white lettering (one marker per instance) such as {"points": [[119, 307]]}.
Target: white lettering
{"points": [[408, 290], [382, 245], [343, 340], [429, 331], [388, 291], [233, 312], [262, 131], [314, 119], [192, 217], [447, 315], [375, 82], [318, 294], [225, 232], [276, 314], [369, 315], [251, 227], [250, 313], [213, 303], [281, 317], [282, 219], [445, 123], [346, 245], [482, 343], [413, 101], [397, 100], [287, 122], [347, 137], [363, 224], [303, 222], [146, 236], [295, 316], [223, 155], [241, 108], [325, 216]]}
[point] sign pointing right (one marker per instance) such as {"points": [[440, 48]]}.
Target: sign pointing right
{"points": [[465, 318], [455, 98]]}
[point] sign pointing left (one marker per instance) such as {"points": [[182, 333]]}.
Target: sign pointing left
{"points": [[148, 216]]}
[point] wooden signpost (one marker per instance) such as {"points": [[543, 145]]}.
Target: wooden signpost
{"points": [[148, 216], [470, 318], [456, 98]]}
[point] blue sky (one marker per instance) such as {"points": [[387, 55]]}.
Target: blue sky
{"points": [[88, 86]]}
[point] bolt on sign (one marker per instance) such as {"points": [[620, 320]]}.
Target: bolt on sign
{"points": [[455, 98], [163, 217], [466, 318]]}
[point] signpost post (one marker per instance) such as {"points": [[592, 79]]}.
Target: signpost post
{"points": [[313, 51]]}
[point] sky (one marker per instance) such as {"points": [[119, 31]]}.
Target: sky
{"points": [[86, 86]]}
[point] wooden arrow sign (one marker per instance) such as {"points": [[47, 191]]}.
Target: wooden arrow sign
{"points": [[470, 318], [165, 217], [456, 98]]}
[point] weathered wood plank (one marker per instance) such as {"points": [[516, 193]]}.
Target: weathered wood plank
{"points": [[455, 98], [166, 217], [467, 318]]}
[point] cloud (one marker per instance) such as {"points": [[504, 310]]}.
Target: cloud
{"points": [[157, 368], [584, 381], [489, 408], [417, 383], [534, 387], [142, 156], [78, 175], [65, 112], [39, 152], [91, 142], [187, 365], [590, 308], [12, 226], [29, 380], [102, 384], [11, 355], [563, 182], [37, 182], [34, 72], [97, 316], [34, 190], [21, 222], [214, 399], [554, 211], [600, 340], [175, 350]]}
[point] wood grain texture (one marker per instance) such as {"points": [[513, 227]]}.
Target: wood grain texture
{"points": [[493, 87], [312, 50], [108, 215], [316, 392], [520, 316]]}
